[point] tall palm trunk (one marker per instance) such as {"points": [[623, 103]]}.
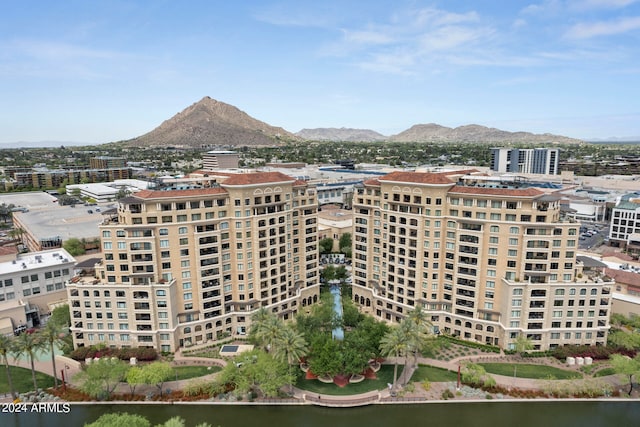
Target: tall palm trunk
{"points": [[395, 371], [9, 380], [53, 362], [33, 372]]}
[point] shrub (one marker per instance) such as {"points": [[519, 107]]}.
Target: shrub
{"points": [[426, 385]]}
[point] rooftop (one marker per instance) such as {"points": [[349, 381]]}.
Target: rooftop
{"points": [[33, 260]]}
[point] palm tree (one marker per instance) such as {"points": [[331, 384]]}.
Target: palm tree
{"points": [[6, 346], [394, 344], [28, 344], [52, 334], [418, 329], [266, 329], [291, 347]]}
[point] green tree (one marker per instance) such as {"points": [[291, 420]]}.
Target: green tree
{"points": [[157, 373], [74, 246], [266, 330], [325, 245], [476, 375], [29, 345], [51, 335], [394, 344], [523, 344], [291, 347], [327, 358], [102, 376], [61, 315], [6, 212], [345, 244], [257, 371], [120, 419], [627, 367], [328, 273], [6, 347], [624, 339], [418, 329], [135, 376]]}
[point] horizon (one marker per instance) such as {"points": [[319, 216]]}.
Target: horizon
{"points": [[108, 72]]}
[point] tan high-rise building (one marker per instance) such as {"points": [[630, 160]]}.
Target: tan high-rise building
{"points": [[184, 267], [489, 263]]}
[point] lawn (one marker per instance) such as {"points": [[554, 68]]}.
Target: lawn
{"points": [[21, 379], [187, 372], [604, 372], [433, 374], [385, 376], [522, 370]]}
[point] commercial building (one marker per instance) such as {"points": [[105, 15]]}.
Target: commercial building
{"points": [[525, 160], [184, 267], [489, 263], [107, 162], [624, 229], [31, 284], [56, 178], [220, 159]]}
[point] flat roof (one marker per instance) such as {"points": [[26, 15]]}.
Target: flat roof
{"points": [[32, 260], [61, 221], [28, 199]]}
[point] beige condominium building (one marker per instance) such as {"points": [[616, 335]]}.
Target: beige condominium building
{"points": [[488, 261], [184, 267]]}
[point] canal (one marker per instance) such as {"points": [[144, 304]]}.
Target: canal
{"points": [[442, 414]]}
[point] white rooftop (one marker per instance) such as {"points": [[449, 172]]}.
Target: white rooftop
{"points": [[33, 260]]}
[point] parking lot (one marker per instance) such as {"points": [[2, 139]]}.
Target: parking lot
{"points": [[592, 235]]}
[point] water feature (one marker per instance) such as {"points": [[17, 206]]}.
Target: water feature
{"points": [[460, 414], [337, 333]]}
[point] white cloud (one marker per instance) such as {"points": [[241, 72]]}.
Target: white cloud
{"points": [[600, 4], [586, 30]]}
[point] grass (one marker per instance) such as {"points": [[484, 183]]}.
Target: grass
{"points": [[187, 372], [21, 379], [433, 374], [604, 372], [385, 376], [523, 370]]}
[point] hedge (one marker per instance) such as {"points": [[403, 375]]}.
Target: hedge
{"points": [[142, 354]]}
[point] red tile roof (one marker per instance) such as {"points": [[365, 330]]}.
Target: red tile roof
{"points": [[515, 192], [373, 181], [170, 194], [417, 177], [299, 183], [257, 178], [623, 277]]}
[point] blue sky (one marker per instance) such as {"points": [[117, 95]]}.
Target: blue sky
{"points": [[101, 71]]}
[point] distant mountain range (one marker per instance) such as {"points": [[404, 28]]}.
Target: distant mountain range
{"points": [[341, 134], [210, 123], [213, 124]]}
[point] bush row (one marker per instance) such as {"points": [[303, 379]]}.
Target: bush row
{"points": [[471, 344], [594, 352], [142, 354]]}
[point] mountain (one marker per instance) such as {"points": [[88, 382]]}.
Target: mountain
{"points": [[474, 133], [341, 134], [210, 123]]}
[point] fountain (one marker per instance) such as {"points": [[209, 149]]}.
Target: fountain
{"points": [[338, 332]]}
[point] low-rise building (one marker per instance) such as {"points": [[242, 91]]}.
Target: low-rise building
{"points": [[32, 284]]}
